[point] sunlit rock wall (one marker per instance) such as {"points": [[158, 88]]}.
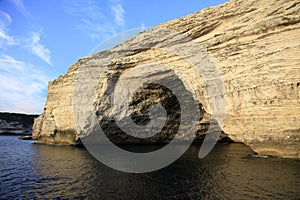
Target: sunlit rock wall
{"points": [[255, 47]]}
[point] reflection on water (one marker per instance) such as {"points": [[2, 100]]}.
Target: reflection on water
{"points": [[44, 171]]}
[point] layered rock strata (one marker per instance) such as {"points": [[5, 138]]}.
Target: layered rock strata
{"points": [[255, 47], [16, 123]]}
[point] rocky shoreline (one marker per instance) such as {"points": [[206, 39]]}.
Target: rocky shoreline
{"points": [[16, 123]]}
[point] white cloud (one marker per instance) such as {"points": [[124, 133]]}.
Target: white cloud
{"points": [[37, 48], [87, 8], [94, 19], [32, 43], [143, 26], [5, 38], [21, 86], [119, 12], [91, 18], [6, 17], [97, 30], [20, 6]]}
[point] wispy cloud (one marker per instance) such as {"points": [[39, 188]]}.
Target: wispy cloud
{"points": [[32, 43], [21, 86], [87, 8], [119, 12], [5, 38], [38, 49], [5, 17], [20, 7], [98, 30], [94, 19], [143, 26]]}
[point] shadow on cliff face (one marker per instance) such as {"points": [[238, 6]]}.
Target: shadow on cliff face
{"points": [[147, 96]]}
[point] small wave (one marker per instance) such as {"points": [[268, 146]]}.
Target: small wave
{"points": [[258, 156]]}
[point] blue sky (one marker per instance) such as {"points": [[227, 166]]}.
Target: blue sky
{"points": [[39, 40]]}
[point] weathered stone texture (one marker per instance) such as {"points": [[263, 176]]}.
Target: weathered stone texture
{"points": [[255, 45]]}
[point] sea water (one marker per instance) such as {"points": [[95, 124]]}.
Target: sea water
{"points": [[29, 171]]}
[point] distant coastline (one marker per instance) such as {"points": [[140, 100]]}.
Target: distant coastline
{"points": [[16, 123]]}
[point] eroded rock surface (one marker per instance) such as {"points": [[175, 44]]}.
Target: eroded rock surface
{"points": [[255, 47]]}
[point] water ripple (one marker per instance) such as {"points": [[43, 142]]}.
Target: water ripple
{"points": [[29, 171]]}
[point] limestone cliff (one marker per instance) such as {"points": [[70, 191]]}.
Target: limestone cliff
{"points": [[254, 45]]}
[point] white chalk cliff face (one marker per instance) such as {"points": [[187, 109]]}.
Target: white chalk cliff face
{"points": [[254, 46]]}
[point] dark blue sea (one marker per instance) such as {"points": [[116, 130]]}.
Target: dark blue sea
{"points": [[35, 171]]}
